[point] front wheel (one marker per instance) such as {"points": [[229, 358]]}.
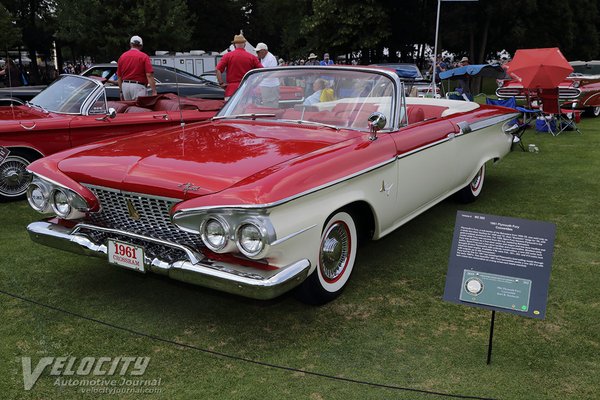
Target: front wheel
{"points": [[471, 192], [337, 253], [14, 177]]}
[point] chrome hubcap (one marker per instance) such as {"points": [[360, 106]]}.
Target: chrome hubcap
{"points": [[335, 250], [14, 178]]}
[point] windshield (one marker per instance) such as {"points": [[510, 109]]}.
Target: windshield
{"points": [[167, 75], [66, 95], [332, 96]]}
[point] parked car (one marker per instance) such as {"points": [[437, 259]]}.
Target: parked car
{"points": [[73, 111], [262, 200], [414, 83], [168, 80], [582, 88]]}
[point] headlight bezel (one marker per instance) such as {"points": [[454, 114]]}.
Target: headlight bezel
{"points": [[226, 236], [262, 230], [77, 205]]}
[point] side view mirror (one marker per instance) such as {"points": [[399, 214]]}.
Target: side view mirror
{"points": [[111, 113], [377, 122]]}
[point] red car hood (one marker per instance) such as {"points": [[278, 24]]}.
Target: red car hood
{"points": [[21, 113], [195, 160]]}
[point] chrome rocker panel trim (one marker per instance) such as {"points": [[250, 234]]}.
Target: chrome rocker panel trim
{"points": [[262, 285]]}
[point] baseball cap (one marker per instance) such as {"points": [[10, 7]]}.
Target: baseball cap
{"points": [[261, 46], [136, 40]]}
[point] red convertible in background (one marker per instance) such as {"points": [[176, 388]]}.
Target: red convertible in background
{"points": [[74, 111], [263, 199], [582, 88]]}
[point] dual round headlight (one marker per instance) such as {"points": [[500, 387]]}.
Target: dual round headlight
{"points": [[249, 236], [38, 197], [60, 203], [46, 197], [214, 234]]}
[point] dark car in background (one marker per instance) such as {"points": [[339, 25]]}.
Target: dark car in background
{"points": [[168, 80]]}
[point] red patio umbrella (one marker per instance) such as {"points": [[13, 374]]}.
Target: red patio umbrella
{"points": [[539, 68]]}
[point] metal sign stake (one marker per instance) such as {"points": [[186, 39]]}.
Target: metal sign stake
{"points": [[489, 356]]}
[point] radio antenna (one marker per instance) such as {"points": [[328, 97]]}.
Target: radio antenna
{"points": [[181, 121], [8, 69]]}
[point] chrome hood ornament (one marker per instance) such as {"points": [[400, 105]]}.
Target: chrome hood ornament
{"points": [[189, 187]]}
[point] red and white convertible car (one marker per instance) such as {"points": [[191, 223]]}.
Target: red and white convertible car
{"points": [[261, 200], [73, 111]]}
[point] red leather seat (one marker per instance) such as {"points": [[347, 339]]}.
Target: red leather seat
{"points": [[136, 109]]}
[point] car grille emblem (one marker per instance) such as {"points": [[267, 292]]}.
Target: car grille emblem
{"points": [[133, 213], [188, 187]]}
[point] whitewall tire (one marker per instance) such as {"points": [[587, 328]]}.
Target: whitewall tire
{"points": [[337, 254]]}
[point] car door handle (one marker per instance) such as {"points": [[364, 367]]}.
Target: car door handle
{"points": [[27, 127], [163, 116]]}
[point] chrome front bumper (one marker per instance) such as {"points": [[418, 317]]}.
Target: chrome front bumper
{"points": [[253, 283]]}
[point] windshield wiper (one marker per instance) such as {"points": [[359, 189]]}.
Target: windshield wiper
{"points": [[32, 105], [238, 116], [302, 121]]}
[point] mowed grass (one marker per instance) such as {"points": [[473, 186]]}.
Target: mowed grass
{"points": [[389, 327]]}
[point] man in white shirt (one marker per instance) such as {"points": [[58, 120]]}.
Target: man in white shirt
{"points": [[269, 88]]}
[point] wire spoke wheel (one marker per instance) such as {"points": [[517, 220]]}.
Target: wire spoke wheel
{"points": [[14, 177]]}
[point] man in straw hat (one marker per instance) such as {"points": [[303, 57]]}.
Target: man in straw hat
{"points": [[236, 63]]}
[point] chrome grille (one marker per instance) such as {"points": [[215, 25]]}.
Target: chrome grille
{"points": [[563, 93], [153, 212]]}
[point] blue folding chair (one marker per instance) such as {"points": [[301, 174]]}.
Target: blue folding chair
{"points": [[520, 126]]}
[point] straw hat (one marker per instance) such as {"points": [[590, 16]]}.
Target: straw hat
{"points": [[312, 56], [238, 39]]}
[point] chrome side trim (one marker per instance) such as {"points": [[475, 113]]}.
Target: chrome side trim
{"points": [[291, 235], [248, 282], [282, 201], [492, 121]]}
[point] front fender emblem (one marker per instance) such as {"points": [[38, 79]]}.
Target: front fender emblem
{"points": [[385, 188], [188, 187], [133, 213]]}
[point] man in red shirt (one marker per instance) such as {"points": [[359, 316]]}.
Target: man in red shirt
{"points": [[237, 63], [134, 71]]}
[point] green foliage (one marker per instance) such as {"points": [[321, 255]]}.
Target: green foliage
{"points": [[10, 35], [103, 28]]}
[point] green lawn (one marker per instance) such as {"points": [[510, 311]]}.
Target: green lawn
{"points": [[390, 326]]}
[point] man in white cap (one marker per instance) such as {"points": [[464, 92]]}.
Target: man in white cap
{"points": [[269, 88], [236, 63], [134, 71]]}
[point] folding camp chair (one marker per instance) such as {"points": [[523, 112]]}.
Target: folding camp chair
{"points": [[550, 106], [564, 115], [518, 125], [569, 117]]}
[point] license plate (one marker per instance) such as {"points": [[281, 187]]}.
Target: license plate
{"points": [[126, 255], [4, 152]]}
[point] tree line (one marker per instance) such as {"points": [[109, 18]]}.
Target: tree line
{"points": [[372, 30]]}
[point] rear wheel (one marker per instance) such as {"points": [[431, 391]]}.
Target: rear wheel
{"points": [[337, 253], [472, 191], [14, 177], [592, 111]]}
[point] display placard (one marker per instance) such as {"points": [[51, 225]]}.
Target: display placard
{"points": [[500, 263]]}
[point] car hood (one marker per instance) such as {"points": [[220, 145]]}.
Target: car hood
{"points": [[20, 113], [198, 159]]}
